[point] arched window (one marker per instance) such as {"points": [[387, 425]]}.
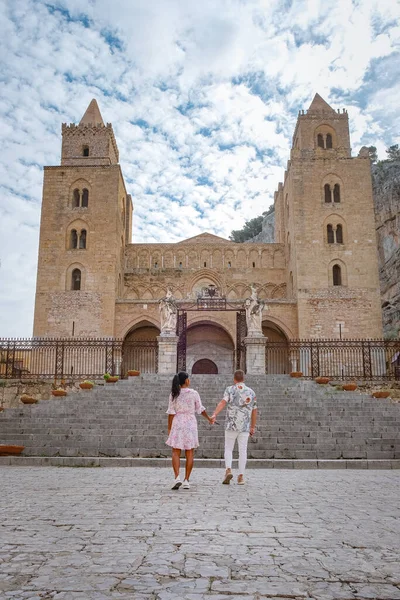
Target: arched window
{"points": [[76, 279], [331, 238], [205, 264], [85, 151], [337, 275], [229, 265], [328, 140], [82, 240], [73, 239], [327, 190], [254, 265], [76, 198], [336, 193], [320, 140], [180, 265], [339, 234], [85, 197]]}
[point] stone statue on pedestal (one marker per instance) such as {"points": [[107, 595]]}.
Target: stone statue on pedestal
{"points": [[254, 309], [168, 314]]}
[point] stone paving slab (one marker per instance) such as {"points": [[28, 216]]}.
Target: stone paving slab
{"points": [[96, 534], [96, 461]]}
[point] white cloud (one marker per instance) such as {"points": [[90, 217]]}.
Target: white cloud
{"points": [[218, 86]]}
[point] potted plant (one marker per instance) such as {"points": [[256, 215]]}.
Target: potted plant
{"points": [[9, 450], [110, 378], [133, 373], [26, 399], [349, 387], [86, 385], [381, 394], [58, 392], [296, 374], [322, 380]]}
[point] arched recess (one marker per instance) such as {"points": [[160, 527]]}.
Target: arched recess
{"points": [[140, 347], [68, 277], [201, 279], [78, 225], [325, 137], [204, 366], [209, 340], [334, 219], [277, 349], [332, 185], [77, 197], [343, 273]]}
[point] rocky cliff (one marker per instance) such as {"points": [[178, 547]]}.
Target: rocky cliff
{"points": [[386, 187]]}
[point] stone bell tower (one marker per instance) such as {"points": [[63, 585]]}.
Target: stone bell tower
{"points": [[326, 220], [85, 224]]}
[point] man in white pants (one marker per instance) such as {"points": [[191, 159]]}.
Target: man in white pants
{"points": [[240, 422]]}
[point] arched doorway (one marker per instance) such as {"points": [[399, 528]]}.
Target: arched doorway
{"points": [[276, 350], [140, 348], [204, 366], [209, 342]]}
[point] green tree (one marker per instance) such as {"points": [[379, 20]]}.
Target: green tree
{"points": [[373, 154], [393, 152], [250, 229]]}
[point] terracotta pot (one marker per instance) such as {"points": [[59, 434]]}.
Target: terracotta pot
{"points": [[112, 380], [1, 408], [381, 394], [133, 373], [322, 380], [349, 387], [58, 393], [25, 399], [10, 450], [86, 386], [296, 374]]}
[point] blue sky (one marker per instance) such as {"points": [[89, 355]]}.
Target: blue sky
{"points": [[203, 97]]}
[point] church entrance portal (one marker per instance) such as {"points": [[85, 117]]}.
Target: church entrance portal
{"points": [[204, 366], [140, 349]]}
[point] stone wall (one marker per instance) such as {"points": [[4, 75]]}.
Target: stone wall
{"points": [[13, 389]]}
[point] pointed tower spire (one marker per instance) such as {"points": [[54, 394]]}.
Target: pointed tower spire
{"points": [[319, 105], [92, 115]]}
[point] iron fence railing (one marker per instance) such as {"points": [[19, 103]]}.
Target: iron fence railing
{"points": [[337, 359], [73, 358]]}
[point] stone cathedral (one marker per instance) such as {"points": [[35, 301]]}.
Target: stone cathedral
{"points": [[318, 279]]}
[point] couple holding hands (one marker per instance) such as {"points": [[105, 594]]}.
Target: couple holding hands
{"points": [[240, 422]]}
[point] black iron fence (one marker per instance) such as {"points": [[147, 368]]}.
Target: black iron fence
{"points": [[73, 358], [337, 359]]}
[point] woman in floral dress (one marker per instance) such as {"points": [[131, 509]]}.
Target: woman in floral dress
{"points": [[184, 404]]}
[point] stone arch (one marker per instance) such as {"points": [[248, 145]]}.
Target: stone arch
{"points": [[68, 276], [343, 273], [204, 366], [180, 259], [229, 259], [131, 293], [266, 259], [208, 339], [144, 259], [328, 183], [205, 259], [279, 258], [192, 260], [145, 293], [155, 259], [279, 291], [78, 225], [202, 278], [327, 134], [82, 199], [277, 322], [241, 259], [139, 348], [217, 259], [334, 220], [266, 291], [168, 260], [254, 259], [232, 294], [137, 322], [277, 349]]}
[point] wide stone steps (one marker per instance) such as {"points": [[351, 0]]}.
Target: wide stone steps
{"points": [[297, 420]]}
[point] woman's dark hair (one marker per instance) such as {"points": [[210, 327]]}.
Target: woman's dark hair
{"points": [[177, 382]]}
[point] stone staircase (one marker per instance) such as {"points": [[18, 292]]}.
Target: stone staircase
{"points": [[297, 420]]}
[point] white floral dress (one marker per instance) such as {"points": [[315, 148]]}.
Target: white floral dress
{"points": [[184, 433]]}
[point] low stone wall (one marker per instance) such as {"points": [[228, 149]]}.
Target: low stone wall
{"points": [[11, 391]]}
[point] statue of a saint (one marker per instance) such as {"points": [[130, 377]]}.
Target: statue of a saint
{"points": [[168, 314], [254, 309]]}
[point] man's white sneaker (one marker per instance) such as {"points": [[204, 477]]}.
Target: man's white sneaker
{"points": [[186, 485], [177, 483]]}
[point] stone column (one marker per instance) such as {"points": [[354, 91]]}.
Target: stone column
{"points": [[167, 353], [255, 354]]}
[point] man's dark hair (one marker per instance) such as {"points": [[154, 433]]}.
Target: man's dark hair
{"points": [[238, 375]]}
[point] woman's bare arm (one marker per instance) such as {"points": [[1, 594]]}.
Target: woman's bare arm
{"points": [[170, 419]]}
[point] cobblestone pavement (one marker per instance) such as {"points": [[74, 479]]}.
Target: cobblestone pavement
{"points": [[94, 534]]}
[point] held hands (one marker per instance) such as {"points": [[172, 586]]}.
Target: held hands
{"points": [[212, 419], [252, 431]]}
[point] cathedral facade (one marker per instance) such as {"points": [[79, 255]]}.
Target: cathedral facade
{"points": [[319, 279]]}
